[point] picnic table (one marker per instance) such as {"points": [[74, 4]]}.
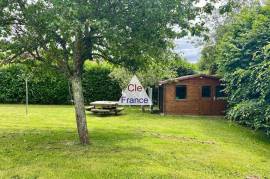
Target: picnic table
{"points": [[104, 107]]}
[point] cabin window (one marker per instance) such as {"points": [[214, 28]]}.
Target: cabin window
{"points": [[181, 92], [206, 91], [220, 91]]}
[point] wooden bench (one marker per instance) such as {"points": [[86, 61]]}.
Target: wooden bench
{"points": [[107, 111], [89, 108], [104, 107], [101, 111]]}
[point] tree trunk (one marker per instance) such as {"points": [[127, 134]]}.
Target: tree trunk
{"points": [[78, 98]]}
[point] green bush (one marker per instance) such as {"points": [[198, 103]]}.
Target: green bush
{"points": [[49, 87], [243, 53], [11, 85], [250, 113], [98, 85], [44, 87]]}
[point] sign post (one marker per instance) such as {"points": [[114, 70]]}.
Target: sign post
{"points": [[26, 96]]}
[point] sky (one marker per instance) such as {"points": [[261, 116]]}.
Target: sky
{"points": [[190, 50]]}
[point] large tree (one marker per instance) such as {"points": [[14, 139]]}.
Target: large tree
{"points": [[221, 14], [243, 58], [65, 33]]}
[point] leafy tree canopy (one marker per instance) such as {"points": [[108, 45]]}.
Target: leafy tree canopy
{"points": [[243, 58], [170, 66], [208, 62], [220, 16], [124, 32]]}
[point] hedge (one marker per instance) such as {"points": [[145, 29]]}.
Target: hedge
{"points": [[48, 87], [98, 85], [243, 53]]}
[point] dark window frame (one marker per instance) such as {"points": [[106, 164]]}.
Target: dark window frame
{"points": [[205, 94], [184, 97]]}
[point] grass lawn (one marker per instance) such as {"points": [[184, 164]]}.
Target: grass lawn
{"points": [[133, 145]]}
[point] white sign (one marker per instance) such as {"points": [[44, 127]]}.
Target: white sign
{"points": [[135, 94]]}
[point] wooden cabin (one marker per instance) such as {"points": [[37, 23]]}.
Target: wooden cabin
{"points": [[192, 95]]}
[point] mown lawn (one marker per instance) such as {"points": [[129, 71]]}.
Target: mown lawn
{"points": [[133, 145]]}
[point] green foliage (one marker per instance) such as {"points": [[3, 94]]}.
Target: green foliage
{"points": [[183, 67], [66, 33], [168, 67], [208, 61], [49, 87], [251, 113], [243, 55], [12, 86], [148, 77], [98, 85]]}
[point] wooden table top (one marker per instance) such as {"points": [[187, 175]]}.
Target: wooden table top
{"points": [[105, 103]]}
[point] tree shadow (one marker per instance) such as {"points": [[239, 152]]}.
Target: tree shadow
{"points": [[60, 149], [106, 115], [47, 141]]}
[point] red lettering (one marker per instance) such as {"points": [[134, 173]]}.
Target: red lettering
{"points": [[131, 87], [134, 87]]}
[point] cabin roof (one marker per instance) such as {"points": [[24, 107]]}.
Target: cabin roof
{"points": [[174, 80]]}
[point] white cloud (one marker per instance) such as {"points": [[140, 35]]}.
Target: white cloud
{"points": [[188, 49]]}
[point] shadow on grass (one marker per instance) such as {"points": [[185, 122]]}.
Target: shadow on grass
{"points": [[106, 115], [59, 149], [103, 140]]}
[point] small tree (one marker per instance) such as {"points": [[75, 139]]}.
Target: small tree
{"points": [[148, 76], [64, 34], [168, 65]]}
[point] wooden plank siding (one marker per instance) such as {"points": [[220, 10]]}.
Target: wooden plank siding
{"points": [[194, 104]]}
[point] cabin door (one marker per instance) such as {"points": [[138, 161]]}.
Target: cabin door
{"points": [[206, 107], [206, 100]]}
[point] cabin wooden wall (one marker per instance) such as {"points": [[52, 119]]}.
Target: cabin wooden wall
{"points": [[194, 104]]}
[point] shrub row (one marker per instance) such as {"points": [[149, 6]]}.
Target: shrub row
{"points": [[243, 53], [48, 87]]}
